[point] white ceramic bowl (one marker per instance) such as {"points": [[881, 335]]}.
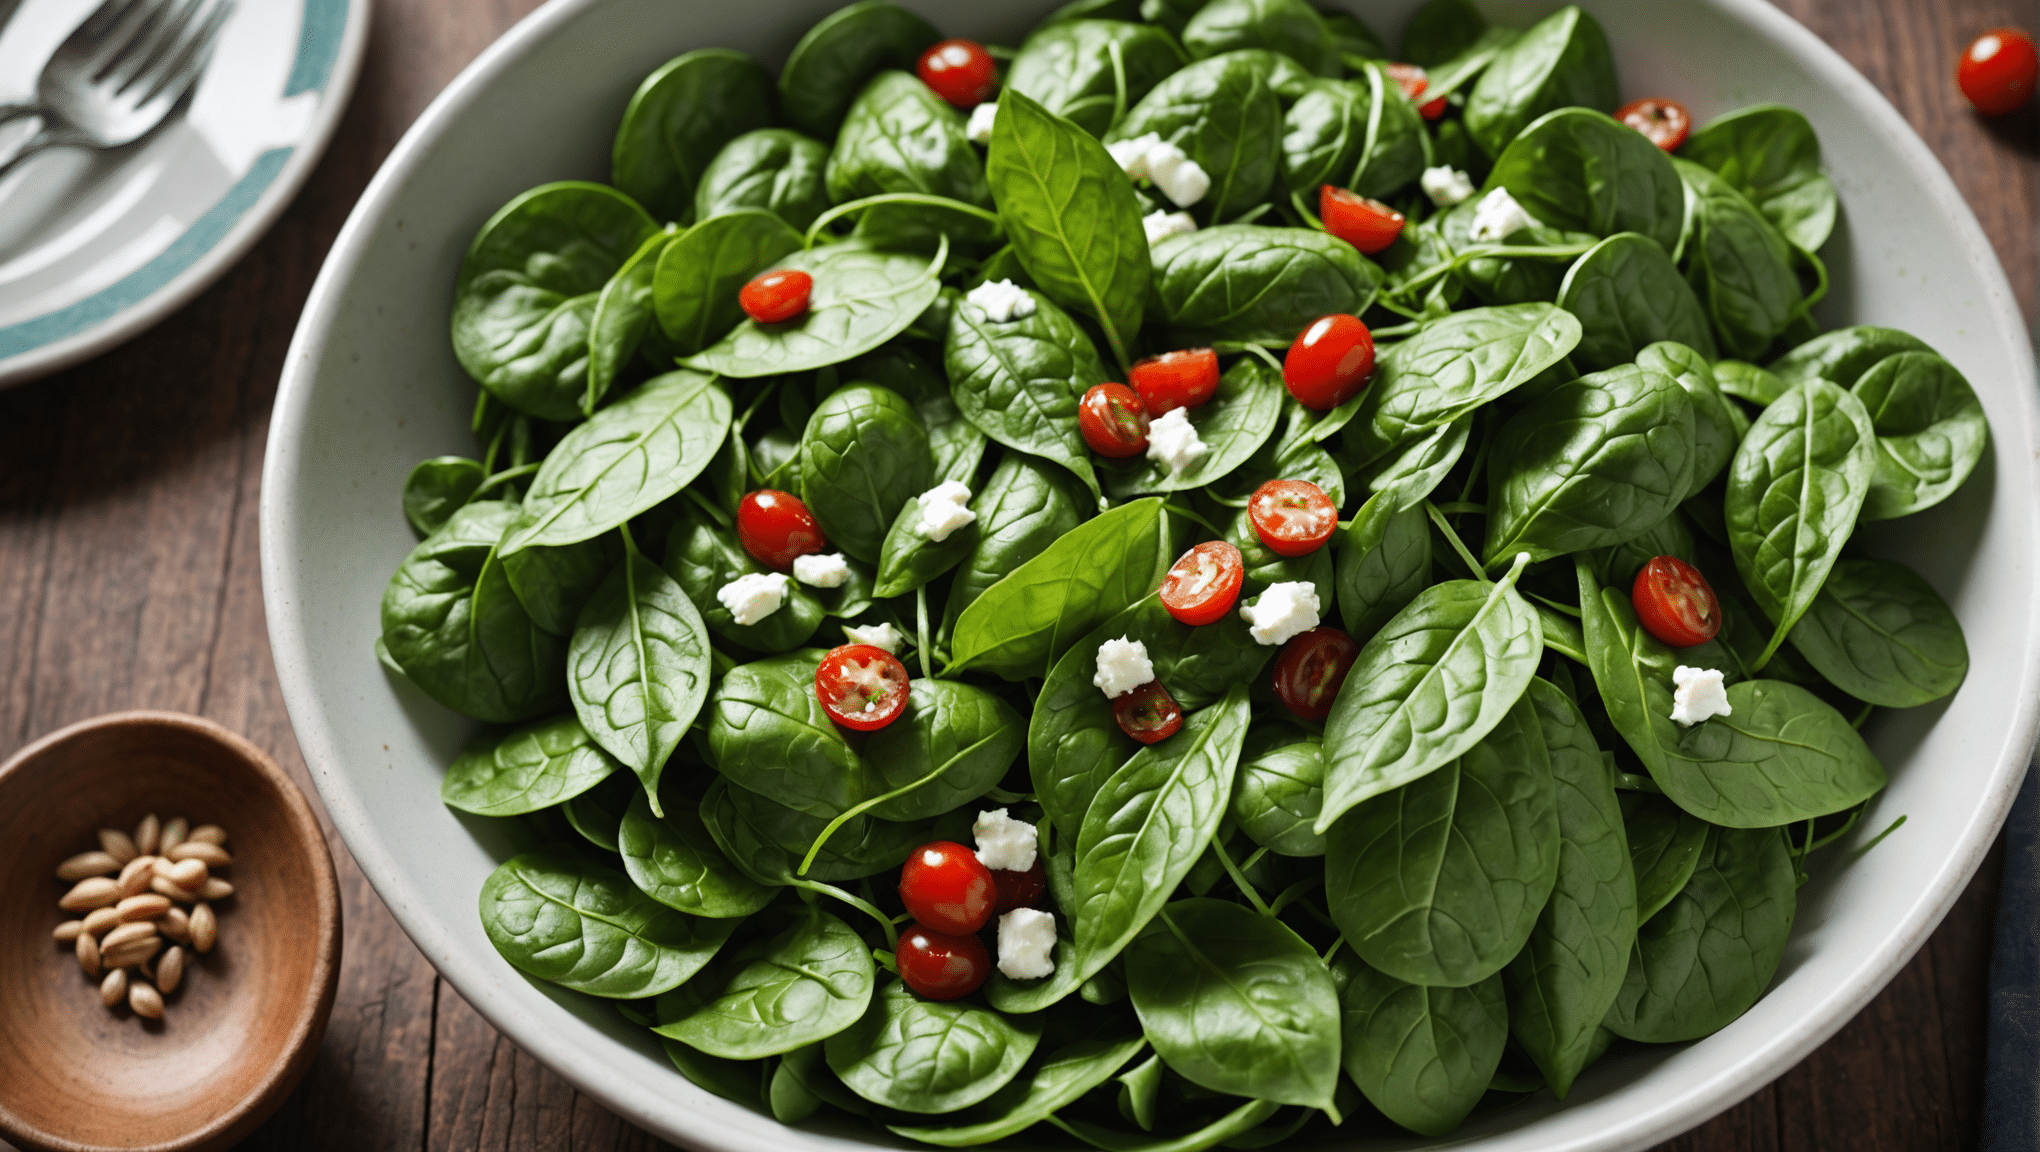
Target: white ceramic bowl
{"points": [[371, 387]]}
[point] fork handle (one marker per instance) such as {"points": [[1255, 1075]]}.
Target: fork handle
{"points": [[44, 137]]}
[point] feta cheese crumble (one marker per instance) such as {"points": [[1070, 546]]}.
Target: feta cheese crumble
{"points": [[880, 635], [1697, 694], [821, 571], [1162, 224], [981, 119], [1446, 186], [1497, 217], [943, 511], [1131, 155], [1123, 665], [1026, 944], [1003, 843], [1285, 610], [1173, 443], [753, 596], [1002, 301], [1178, 177]]}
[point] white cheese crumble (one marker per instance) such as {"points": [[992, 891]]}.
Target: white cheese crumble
{"points": [[1162, 224], [880, 635], [1131, 155], [981, 118], [1026, 944], [753, 596], [1446, 186], [1173, 443], [943, 511], [1497, 217], [1123, 665], [1002, 301], [1285, 610], [1697, 694], [1178, 177], [821, 571], [1003, 843]]}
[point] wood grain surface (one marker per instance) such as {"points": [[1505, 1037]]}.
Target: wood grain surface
{"points": [[128, 579]]}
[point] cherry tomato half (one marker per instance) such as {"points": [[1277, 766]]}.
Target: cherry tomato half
{"points": [[1113, 420], [1997, 71], [1204, 583], [960, 71], [861, 686], [1292, 517], [1411, 78], [1330, 363], [1666, 122], [1433, 109], [1020, 889], [941, 966], [1368, 225], [947, 888], [777, 296], [1186, 379], [1148, 713], [1675, 603], [1311, 669], [775, 528]]}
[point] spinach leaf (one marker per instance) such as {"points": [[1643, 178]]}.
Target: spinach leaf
{"points": [[806, 983], [525, 769], [1397, 149], [1883, 635], [694, 290], [1378, 582], [1710, 954], [1233, 424], [1019, 381], [624, 461], [1627, 294], [1769, 153], [1579, 170], [597, 814], [1715, 432], [674, 860], [1618, 565], [558, 917], [1441, 29], [900, 137], [930, 1056], [957, 444], [1249, 283], [958, 737], [678, 119], [1236, 1002], [1567, 976], [1069, 67], [1360, 134], [1024, 508], [863, 457], [437, 488], [638, 667], [1281, 789], [1399, 482], [768, 733], [1437, 678], [1290, 27], [768, 840], [703, 558], [1738, 264], [1063, 1078], [1072, 217], [1231, 1126], [1930, 432], [528, 288], [1222, 113], [621, 320], [846, 48], [774, 169], [1746, 381], [1440, 882], [554, 583], [907, 560], [1665, 842], [1561, 61], [730, 1079], [1424, 1056], [1841, 356], [862, 298]]}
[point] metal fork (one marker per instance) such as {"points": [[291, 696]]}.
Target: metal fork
{"points": [[121, 72]]}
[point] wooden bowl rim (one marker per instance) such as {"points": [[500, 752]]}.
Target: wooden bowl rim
{"points": [[265, 1096]]}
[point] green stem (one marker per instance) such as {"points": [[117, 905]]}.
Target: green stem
{"points": [[503, 477], [1463, 508], [1558, 606], [1303, 209], [1238, 878], [751, 409], [1294, 892], [709, 506], [921, 629], [1473, 471], [1118, 81], [892, 934], [1002, 796], [1492, 252], [1398, 331], [1631, 782], [1266, 356], [1862, 715], [1879, 839], [1340, 942], [1458, 545], [815, 230], [855, 811], [1413, 315], [1194, 518]]}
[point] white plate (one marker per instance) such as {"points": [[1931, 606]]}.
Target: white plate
{"points": [[371, 387], [97, 246]]}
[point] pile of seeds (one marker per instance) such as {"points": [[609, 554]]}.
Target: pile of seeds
{"points": [[136, 891]]}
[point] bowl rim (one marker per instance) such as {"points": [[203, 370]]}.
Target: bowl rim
{"points": [[268, 1094], [498, 1000]]}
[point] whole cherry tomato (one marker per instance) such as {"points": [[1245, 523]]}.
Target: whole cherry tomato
{"points": [[1311, 670], [948, 888], [861, 686], [777, 296], [1186, 379], [1113, 420], [1330, 363], [1368, 225], [1665, 122], [1675, 603], [1997, 71], [1411, 78], [1019, 889], [960, 71], [941, 966], [776, 528], [1204, 583], [1292, 517], [1148, 713]]}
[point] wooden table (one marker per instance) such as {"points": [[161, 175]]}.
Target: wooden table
{"points": [[128, 491]]}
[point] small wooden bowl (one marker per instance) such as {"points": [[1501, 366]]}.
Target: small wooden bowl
{"points": [[242, 1029]]}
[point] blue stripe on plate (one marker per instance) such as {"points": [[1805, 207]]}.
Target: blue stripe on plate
{"points": [[318, 46], [2011, 1084]]}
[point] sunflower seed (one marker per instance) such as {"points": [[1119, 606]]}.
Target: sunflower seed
{"points": [[216, 889], [130, 952], [68, 931], [148, 834], [170, 970], [114, 988], [213, 855], [117, 844], [176, 925], [188, 874], [126, 933], [205, 928], [209, 833], [173, 891], [148, 906], [88, 953], [89, 893], [86, 864], [175, 830], [134, 876], [145, 1000]]}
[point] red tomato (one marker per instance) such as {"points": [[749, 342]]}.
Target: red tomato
{"points": [[1368, 225], [1020, 889], [1675, 603], [1148, 713], [774, 297], [1204, 583], [1292, 517], [1330, 363], [1997, 71], [960, 71], [1412, 79], [1666, 122], [1311, 669], [1433, 109], [1113, 420], [941, 966], [948, 888], [775, 527], [1186, 379], [861, 686]]}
